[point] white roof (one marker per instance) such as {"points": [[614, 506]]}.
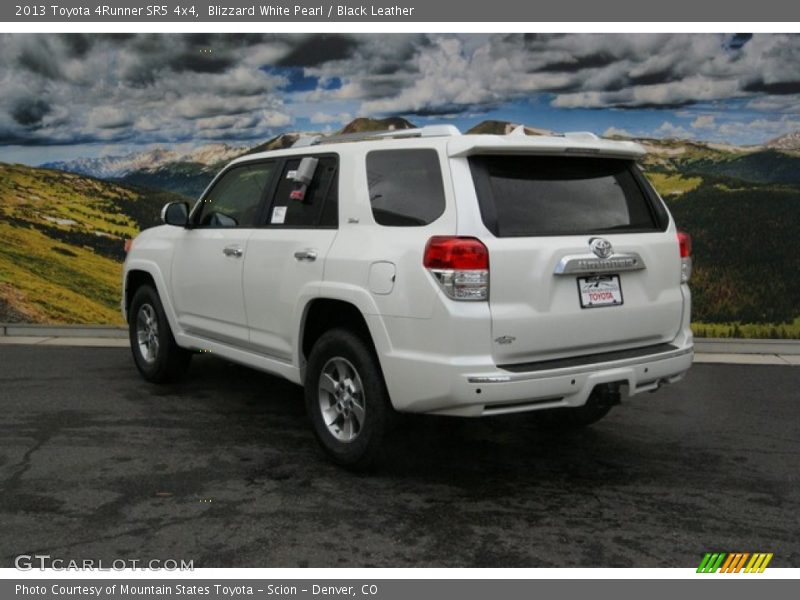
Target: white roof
{"points": [[574, 144]]}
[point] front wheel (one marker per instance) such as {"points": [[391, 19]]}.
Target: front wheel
{"points": [[346, 399], [157, 356]]}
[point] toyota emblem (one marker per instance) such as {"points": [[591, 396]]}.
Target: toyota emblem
{"points": [[601, 247]]}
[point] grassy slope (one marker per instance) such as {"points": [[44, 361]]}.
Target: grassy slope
{"points": [[669, 184], [68, 271]]}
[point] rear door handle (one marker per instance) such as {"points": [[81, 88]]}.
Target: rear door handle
{"points": [[235, 251], [306, 255]]}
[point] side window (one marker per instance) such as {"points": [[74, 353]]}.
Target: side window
{"points": [[317, 208], [235, 199], [405, 187]]}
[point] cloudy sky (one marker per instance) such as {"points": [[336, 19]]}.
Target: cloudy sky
{"points": [[70, 95]]}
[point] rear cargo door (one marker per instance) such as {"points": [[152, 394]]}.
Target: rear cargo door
{"points": [[583, 258]]}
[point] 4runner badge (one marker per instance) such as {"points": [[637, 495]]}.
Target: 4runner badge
{"points": [[601, 247]]}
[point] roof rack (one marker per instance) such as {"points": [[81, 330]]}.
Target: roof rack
{"points": [[427, 131]]}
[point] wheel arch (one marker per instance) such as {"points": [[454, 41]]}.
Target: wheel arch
{"points": [[134, 279], [140, 273], [325, 313]]}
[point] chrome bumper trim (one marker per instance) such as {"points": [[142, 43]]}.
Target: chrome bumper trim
{"points": [[587, 264]]}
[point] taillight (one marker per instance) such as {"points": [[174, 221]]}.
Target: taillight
{"points": [[460, 266], [685, 247], [685, 244]]}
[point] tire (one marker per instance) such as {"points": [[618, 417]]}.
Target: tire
{"points": [[596, 408], [155, 353], [346, 399]]}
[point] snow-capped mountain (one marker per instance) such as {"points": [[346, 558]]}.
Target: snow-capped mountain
{"points": [[186, 173], [108, 167], [790, 141]]}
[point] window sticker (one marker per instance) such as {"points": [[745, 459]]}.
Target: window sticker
{"points": [[278, 215]]}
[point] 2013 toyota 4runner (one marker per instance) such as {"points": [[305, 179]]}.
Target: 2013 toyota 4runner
{"points": [[422, 271]]}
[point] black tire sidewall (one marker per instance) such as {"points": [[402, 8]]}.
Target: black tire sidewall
{"points": [[365, 450]]}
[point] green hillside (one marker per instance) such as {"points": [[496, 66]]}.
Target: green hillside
{"points": [[62, 244], [742, 208], [745, 257], [752, 164], [185, 178], [765, 166]]}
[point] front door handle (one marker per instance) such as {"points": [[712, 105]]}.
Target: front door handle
{"points": [[306, 255], [235, 251]]}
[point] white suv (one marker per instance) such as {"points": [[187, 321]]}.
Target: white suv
{"points": [[422, 271]]}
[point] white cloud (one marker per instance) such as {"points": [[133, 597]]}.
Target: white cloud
{"points": [[762, 129], [617, 132], [326, 118], [670, 130], [704, 122], [153, 88], [690, 90], [275, 119]]}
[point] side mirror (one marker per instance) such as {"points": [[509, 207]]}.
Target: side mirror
{"points": [[175, 213]]}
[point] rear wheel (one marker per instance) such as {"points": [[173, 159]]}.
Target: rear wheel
{"points": [[157, 356], [346, 399], [599, 404]]}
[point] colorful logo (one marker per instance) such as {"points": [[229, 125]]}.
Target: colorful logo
{"points": [[720, 562]]}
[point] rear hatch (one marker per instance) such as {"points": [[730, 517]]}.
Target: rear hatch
{"points": [[582, 259]]}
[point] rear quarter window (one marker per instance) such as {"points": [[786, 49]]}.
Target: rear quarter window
{"points": [[405, 187], [547, 195]]}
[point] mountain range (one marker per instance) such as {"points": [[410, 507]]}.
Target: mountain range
{"points": [[109, 167], [790, 141], [189, 172]]}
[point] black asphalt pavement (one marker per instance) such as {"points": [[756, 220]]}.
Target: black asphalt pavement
{"points": [[223, 470]]}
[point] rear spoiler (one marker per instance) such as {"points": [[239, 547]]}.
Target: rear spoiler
{"points": [[569, 144]]}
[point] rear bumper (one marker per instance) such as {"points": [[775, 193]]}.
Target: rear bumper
{"points": [[474, 393]]}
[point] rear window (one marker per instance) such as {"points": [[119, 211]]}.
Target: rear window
{"points": [[405, 187], [544, 195]]}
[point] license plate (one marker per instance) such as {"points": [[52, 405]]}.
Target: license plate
{"points": [[600, 290]]}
